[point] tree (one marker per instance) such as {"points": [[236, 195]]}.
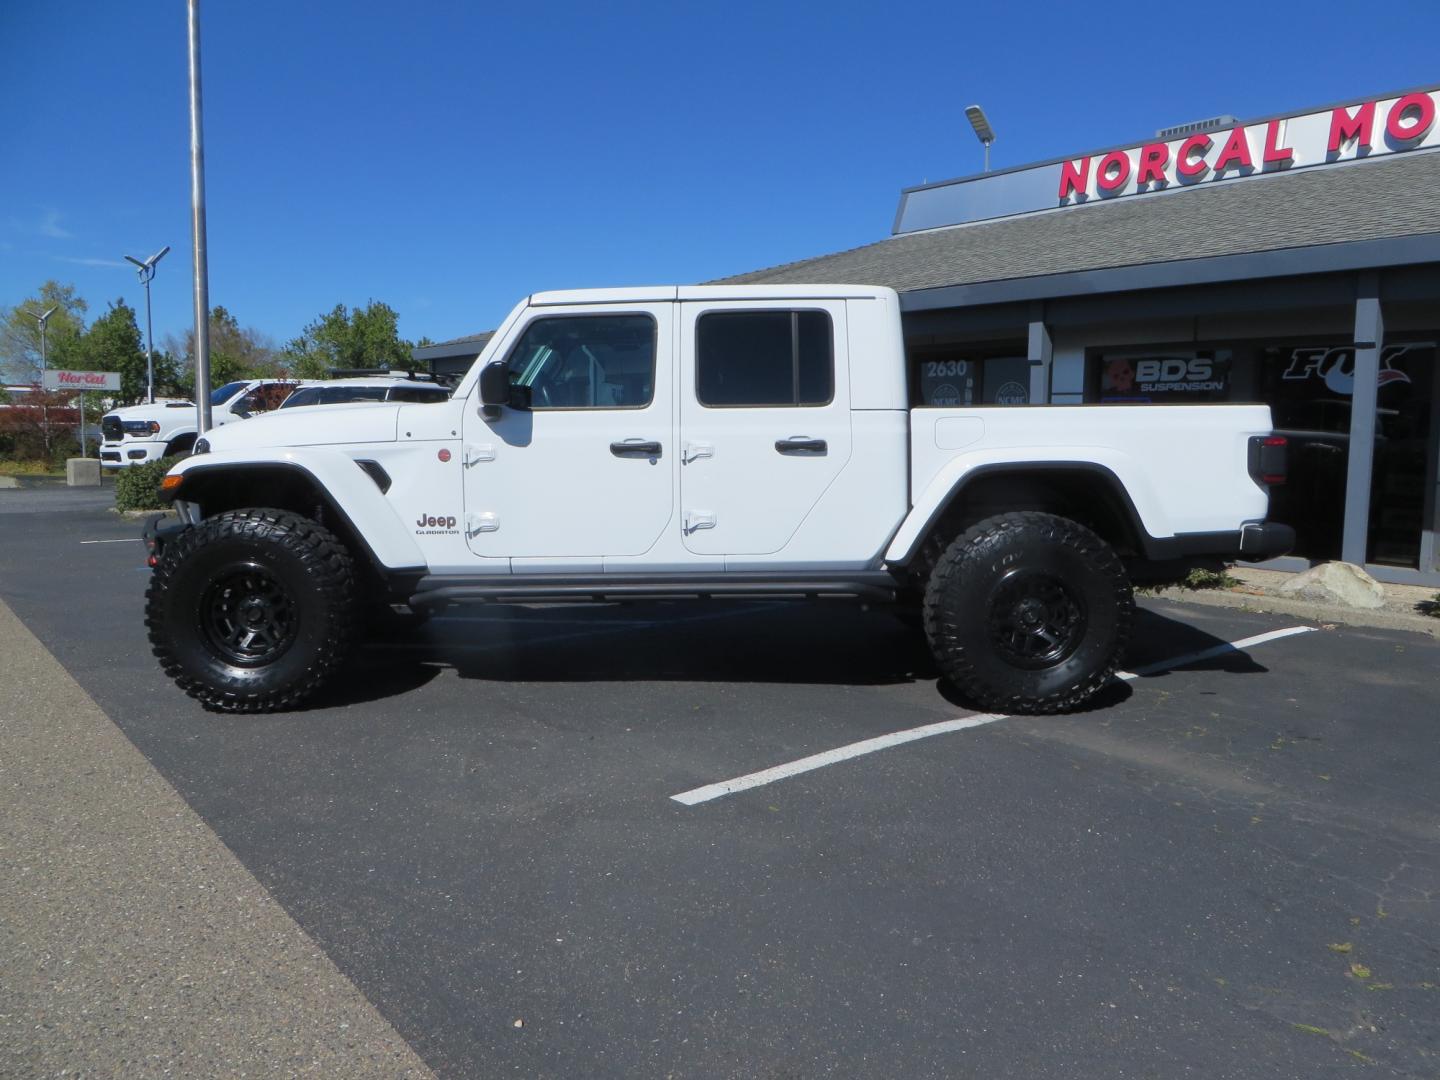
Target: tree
{"points": [[113, 343], [20, 331], [367, 337], [236, 352]]}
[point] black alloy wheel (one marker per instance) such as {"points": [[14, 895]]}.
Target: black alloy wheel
{"points": [[248, 615], [252, 610], [1028, 612]]}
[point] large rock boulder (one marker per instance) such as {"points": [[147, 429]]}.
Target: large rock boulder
{"points": [[1336, 583]]}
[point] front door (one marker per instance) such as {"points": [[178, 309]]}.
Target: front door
{"points": [[764, 420], [585, 472]]}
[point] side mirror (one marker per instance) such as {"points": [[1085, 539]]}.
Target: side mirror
{"points": [[239, 409], [496, 389]]}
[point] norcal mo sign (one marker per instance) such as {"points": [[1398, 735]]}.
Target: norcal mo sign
{"points": [[1371, 128], [1359, 129]]}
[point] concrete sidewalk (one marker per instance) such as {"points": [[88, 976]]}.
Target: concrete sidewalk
{"points": [[132, 942], [1406, 606]]}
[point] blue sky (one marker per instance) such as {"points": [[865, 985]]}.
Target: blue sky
{"points": [[449, 158]]}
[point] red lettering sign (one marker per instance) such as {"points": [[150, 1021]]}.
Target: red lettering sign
{"points": [[1109, 181], [1274, 152], [1421, 108], [1153, 159], [1235, 152], [1344, 127], [1190, 165], [1074, 177]]}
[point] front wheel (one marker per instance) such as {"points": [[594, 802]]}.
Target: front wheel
{"points": [[1028, 613], [251, 610]]}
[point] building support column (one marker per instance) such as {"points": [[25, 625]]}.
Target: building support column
{"points": [[1369, 340], [1042, 356]]}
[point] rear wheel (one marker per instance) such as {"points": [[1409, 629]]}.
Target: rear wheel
{"points": [[1028, 613], [251, 610]]}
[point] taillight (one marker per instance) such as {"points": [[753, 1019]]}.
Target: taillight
{"points": [[1268, 459]]}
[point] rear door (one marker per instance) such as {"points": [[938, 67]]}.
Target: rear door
{"points": [[764, 420]]}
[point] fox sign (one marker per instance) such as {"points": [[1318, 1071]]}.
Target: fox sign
{"points": [[1367, 129]]}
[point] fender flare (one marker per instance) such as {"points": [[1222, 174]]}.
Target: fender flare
{"points": [[951, 483], [344, 487]]}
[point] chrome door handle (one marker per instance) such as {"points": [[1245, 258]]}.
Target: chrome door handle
{"points": [[799, 444], [635, 448]]}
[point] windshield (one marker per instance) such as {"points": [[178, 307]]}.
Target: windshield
{"points": [[224, 393]]}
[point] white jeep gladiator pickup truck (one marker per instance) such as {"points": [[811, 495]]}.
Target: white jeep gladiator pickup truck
{"points": [[136, 434], [695, 442]]}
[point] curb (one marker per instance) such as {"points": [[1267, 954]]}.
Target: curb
{"points": [[1379, 618]]}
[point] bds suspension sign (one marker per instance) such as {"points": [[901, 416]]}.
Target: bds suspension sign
{"points": [[59, 379]]}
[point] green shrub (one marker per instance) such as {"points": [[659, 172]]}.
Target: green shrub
{"points": [[138, 487], [1201, 578]]}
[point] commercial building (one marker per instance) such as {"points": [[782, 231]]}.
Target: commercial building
{"points": [[1292, 260]]}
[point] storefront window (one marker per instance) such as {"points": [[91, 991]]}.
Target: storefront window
{"points": [[958, 376], [1404, 452], [1309, 386]]}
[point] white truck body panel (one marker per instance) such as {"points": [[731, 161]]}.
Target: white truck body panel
{"points": [[540, 490], [1152, 451]]}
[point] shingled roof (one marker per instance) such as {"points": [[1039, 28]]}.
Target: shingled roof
{"points": [[1374, 200]]}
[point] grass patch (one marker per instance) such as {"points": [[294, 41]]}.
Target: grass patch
{"points": [[1430, 607], [30, 468]]}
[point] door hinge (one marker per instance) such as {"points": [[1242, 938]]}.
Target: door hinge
{"points": [[695, 520], [695, 450], [474, 454], [475, 524]]}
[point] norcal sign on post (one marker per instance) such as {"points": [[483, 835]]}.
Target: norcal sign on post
{"points": [[59, 379]]}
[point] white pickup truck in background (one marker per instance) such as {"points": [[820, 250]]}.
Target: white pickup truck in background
{"points": [[678, 442], [136, 434]]}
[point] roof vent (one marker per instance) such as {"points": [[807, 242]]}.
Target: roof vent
{"points": [[1213, 124]]}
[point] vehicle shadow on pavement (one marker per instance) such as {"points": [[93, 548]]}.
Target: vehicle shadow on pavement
{"points": [[839, 645], [718, 642]]}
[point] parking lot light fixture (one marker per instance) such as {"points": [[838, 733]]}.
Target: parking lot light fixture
{"points": [[983, 131], [146, 271], [42, 318]]}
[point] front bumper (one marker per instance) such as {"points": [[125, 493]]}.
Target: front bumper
{"points": [[158, 532], [126, 452]]}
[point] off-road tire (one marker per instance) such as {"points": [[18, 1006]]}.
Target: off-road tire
{"points": [[306, 565], [1004, 572]]}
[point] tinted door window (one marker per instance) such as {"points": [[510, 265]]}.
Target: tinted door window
{"points": [[764, 358], [587, 362]]}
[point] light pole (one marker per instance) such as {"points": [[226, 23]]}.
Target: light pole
{"points": [[147, 271], [42, 319], [45, 409], [983, 131], [197, 228]]}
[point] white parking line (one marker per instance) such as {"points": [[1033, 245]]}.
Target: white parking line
{"points": [[944, 727], [122, 540]]}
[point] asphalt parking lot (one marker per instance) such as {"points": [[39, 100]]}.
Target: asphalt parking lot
{"points": [[1224, 868]]}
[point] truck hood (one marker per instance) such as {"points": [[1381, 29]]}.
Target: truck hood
{"points": [[314, 425], [147, 411]]}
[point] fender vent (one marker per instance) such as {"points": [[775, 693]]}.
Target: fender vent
{"points": [[376, 473]]}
